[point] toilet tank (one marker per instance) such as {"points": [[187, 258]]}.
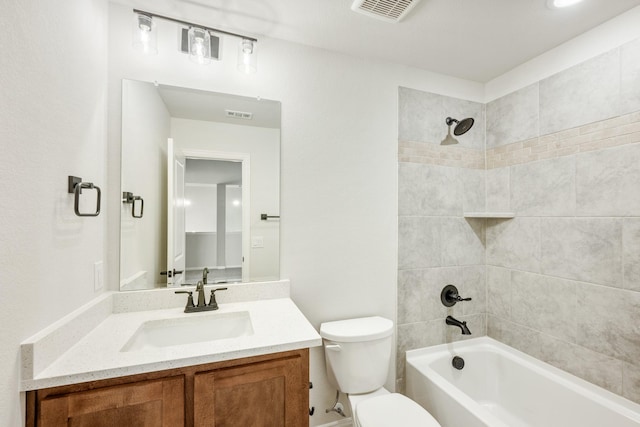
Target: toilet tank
{"points": [[357, 353]]}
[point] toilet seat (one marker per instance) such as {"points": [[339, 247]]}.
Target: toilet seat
{"points": [[393, 409]]}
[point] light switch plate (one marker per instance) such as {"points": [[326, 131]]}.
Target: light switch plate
{"points": [[257, 242]]}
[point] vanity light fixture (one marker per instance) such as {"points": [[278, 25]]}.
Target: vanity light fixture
{"points": [[199, 40], [559, 4]]}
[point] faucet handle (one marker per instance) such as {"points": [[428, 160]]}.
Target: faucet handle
{"points": [[450, 296], [212, 300], [190, 303]]}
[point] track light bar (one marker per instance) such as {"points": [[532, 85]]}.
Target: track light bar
{"points": [[191, 24]]}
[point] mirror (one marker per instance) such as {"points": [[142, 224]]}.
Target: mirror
{"points": [[200, 187]]}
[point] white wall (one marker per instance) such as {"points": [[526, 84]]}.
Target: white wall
{"points": [[53, 124], [338, 164], [201, 213], [144, 159]]}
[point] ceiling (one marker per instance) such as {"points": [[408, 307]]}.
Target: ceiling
{"points": [[476, 40], [196, 104]]}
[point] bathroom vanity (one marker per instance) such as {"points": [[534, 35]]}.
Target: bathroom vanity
{"points": [[110, 364]]}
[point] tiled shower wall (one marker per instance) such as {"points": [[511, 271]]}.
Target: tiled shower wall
{"points": [[436, 244], [562, 279]]}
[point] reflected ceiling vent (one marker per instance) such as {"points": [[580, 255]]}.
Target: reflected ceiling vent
{"points": [[239, 114], [386, 10]]}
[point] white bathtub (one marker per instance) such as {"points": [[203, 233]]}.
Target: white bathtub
{"points": [[503, 387]]}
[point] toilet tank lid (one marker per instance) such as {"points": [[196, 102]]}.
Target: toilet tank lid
{"points": [[355, 330]]}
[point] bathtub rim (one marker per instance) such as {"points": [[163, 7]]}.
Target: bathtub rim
{"points": [[592, 391]]}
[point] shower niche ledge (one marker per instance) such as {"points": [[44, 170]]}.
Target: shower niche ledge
{"points": [[490, 214]]}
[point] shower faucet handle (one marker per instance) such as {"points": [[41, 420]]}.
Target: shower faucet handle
{"points": [[449, 296]]}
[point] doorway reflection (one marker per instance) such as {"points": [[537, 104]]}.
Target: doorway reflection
{"points": [[213, 220]]}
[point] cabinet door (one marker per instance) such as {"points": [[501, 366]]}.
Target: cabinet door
{"points": [[274, 393], [158, 403]]}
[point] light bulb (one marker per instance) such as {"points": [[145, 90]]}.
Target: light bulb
{"points": [[199, 45], [144, 35], [247, 57]]}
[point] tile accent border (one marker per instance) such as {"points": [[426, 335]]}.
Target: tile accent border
{"points": [[613, 132], [621, 130], [443, 155]]}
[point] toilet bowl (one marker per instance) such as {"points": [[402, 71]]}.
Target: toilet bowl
{"points": [[384, 409], [357, 353]]}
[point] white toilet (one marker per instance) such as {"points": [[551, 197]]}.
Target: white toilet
{"points": [[357, 353]]}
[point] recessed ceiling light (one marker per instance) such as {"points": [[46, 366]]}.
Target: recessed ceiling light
{"points": [[558, 4]]}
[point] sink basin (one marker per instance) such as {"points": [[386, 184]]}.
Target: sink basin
{"points": [[191, 329]]}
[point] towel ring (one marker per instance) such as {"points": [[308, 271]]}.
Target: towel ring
{"points": [[75, 186], [128, 197]]}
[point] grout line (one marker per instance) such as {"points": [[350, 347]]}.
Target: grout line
{"points": [[622, 257]]}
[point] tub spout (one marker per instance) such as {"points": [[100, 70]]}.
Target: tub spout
{"points": [[455, 322]]}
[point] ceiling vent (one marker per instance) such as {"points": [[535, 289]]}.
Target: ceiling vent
{"points": [[386, 10], [239, 114]]}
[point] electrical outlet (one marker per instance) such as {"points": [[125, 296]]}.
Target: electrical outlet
{"points": [[98, 276]]}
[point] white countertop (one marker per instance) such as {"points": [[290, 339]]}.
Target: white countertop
{"points": [[278, 325]]}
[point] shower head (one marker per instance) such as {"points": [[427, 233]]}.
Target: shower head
{"points": [[462, 126]]}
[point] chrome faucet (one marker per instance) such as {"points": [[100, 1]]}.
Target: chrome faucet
{"points": [[205, 273], [450, 320], [202, 303]]}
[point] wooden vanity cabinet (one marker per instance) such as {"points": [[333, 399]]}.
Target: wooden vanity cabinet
{"points": [[262, 391], [270, 393]]}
